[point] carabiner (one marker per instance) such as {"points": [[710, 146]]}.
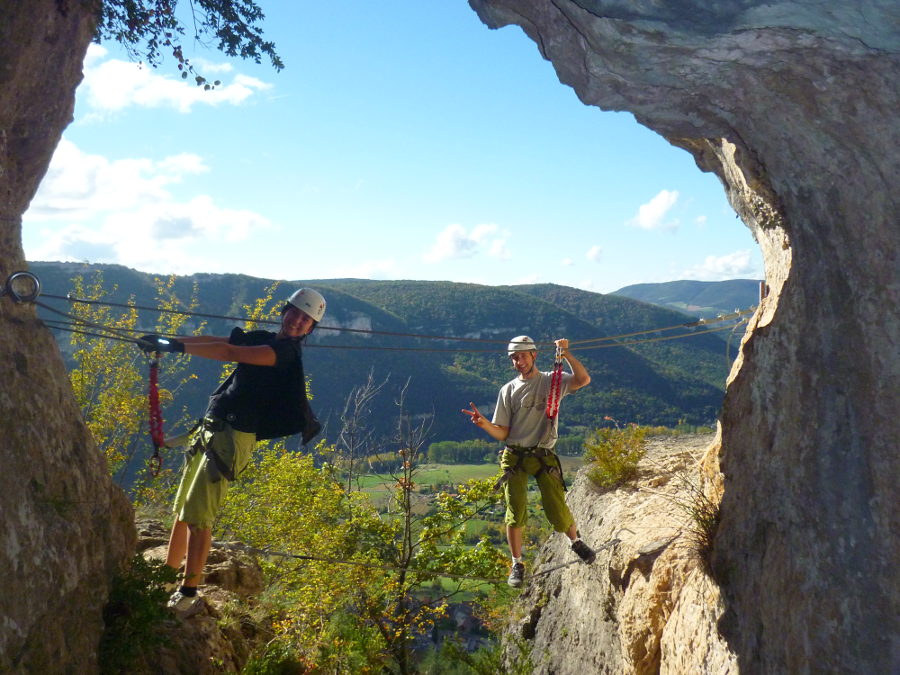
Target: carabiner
{"points": [[155, 463]]}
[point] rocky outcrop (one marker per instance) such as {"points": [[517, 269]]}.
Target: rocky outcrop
{"points": [[219, 638], [64, 528], [645, 605], [794, 106]]}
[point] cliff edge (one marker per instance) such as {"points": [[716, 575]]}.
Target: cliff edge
{"points": [[647, 604]]}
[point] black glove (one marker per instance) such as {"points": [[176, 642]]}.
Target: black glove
{"points": [[155, 343]]}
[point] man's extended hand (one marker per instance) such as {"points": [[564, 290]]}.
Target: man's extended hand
{"points": [[477, 418], [156, 343]]}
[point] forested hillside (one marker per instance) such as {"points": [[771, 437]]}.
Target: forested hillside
{"points": [[697, 298], [659, 383]]}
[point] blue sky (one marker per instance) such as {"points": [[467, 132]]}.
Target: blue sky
{"points": [[403, 140]]}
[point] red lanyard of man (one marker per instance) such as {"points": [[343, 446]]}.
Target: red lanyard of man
{"points": [[554, 397]]}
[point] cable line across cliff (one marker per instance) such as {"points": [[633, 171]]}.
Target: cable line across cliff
{"points": [[24, 287], [78, 324], [237, 546]]}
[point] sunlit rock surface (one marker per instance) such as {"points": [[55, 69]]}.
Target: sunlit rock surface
{"points": [[645, 605]]}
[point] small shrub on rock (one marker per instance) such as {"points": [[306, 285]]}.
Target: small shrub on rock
{"points": [[614, 453], [134, 613]]}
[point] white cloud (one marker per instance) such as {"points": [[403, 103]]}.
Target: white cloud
{"points": [[98, 210], [566, 262], [594, 254], [209, 67], [78, 184], [499, 249], [165, 238], [701, 221], [111, 85], [651, 216], [719, 268], [454, 242]]}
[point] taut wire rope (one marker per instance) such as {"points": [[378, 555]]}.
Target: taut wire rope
{"points": [[577, 345], [574, 343], [237, 546]]}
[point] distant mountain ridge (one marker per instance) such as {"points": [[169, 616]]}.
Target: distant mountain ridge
{"points": [[656, 383], [702, 299]]}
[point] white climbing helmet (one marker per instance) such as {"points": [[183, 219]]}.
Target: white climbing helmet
{"points": [[522, 343], [309, 301]]}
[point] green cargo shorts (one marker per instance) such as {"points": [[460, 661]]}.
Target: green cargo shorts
{"points": [[203, 487], [553, 495]]}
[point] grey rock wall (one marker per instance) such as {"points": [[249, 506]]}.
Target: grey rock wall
{"points": [[794, 106], [64, 528], [645, 605]]}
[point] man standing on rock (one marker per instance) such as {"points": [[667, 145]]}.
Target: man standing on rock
{"points": [[263, 398], [528, 424]]}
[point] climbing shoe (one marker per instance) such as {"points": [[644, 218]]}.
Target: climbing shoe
{"points": [[183, 605], [584, 551], [516, 575]]}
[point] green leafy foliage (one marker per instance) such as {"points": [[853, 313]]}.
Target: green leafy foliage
{"points": [[285, 504], [462, 452], [357, 586], [149, 29], [134, 614], [614, 453], [109, 377]]}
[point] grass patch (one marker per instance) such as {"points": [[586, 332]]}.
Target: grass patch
{"points": [[432, 475], [703, 522]]}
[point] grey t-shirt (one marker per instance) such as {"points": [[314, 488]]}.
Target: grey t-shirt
{"points": [[522, 405]]}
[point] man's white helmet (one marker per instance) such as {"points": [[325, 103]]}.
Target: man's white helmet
{"points": [[522, 343], [309, 301]]}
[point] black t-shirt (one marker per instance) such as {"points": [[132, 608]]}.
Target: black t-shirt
{"points": [[269, 401]]}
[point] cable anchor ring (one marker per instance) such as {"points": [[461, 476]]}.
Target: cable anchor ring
{"points": [[23, 296]]}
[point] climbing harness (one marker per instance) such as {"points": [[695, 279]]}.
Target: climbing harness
{"points": [[554, 397], [156, 420], [541, 454]]}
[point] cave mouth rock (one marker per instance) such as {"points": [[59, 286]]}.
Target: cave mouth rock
{"points": [[793, 105]]}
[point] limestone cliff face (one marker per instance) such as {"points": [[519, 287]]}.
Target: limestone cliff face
{"points": [[645, 605], [794, 106], [63, 526]]}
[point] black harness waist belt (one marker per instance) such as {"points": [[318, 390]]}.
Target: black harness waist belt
{"points": [[521, 452]]}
